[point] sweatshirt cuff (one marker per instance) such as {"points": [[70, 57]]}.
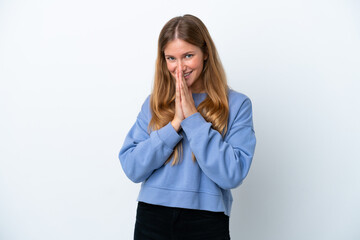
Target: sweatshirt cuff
{"points": [[192, 122], [169, 136]]}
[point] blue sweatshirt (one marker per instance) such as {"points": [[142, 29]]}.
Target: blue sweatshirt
{"points": [[221, 163]]}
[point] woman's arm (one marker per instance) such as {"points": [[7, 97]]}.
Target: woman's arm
{"points": [[142, 153], [225, 161]]}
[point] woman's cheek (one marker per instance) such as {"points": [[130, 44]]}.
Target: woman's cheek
{"points": [[171, 68]]}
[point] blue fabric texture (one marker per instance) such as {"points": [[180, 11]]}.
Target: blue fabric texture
{"points": [[222, 163]]}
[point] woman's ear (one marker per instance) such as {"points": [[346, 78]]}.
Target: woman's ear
{"points": [[205, 56]]}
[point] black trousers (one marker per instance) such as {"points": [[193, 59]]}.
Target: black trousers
{"points": [[154, 222]]}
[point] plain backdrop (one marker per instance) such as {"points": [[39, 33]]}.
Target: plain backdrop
{"points": [[73, 76]]}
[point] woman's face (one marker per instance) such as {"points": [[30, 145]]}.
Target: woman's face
{"points": [[189, 58]]}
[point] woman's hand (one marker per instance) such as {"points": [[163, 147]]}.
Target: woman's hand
{"points": [[187, 101], [179, 115], [184, 102]]}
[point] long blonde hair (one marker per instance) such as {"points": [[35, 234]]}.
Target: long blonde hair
{"points": [[215, 107]]}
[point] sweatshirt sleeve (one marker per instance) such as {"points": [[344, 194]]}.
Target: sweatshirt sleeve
{"points": [[225, 161], [144, 152]]}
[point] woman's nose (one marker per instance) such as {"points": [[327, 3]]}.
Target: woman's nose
{"points": [[181, 66]]}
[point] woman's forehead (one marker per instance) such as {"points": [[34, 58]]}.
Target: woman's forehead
{"points": [[178, 46]]}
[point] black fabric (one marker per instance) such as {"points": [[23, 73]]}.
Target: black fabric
{"points": [[154, 222]]}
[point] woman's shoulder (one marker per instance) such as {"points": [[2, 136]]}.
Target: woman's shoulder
{"points": [[147, 101], [145, 108], [240, 109], [237, 98]]}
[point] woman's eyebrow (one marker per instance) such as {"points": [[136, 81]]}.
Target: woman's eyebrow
{"points": [[184, 54]]}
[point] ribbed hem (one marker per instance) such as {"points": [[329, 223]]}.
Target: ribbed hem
{"points": [[192, 123], [184, 199], [169, 136]]}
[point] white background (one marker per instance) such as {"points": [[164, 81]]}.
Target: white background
{"points": [[73, 76]]}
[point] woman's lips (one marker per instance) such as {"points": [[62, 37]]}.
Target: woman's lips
{"points": [[187, 75]]}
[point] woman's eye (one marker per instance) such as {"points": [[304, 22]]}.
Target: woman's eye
{"points": [[170, 58], [189, 55]]}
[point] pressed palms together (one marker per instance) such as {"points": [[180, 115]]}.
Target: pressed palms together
{"points": [[184, 102]]}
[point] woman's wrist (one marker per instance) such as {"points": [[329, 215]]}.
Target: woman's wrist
{"points": [[176, 124]]}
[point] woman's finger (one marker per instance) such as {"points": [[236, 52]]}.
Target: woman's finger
{"points": [[181, 75], [183, 84], [187, 101], [178, 108], [177, 92]]}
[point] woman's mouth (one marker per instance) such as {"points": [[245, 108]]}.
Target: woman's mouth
{"points": [[187, 75]]}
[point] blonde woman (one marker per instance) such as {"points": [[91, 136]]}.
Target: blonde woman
{"points": [[192, 142]]}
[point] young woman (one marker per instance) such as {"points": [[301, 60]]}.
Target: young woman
{"points": [[192, 142]]}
